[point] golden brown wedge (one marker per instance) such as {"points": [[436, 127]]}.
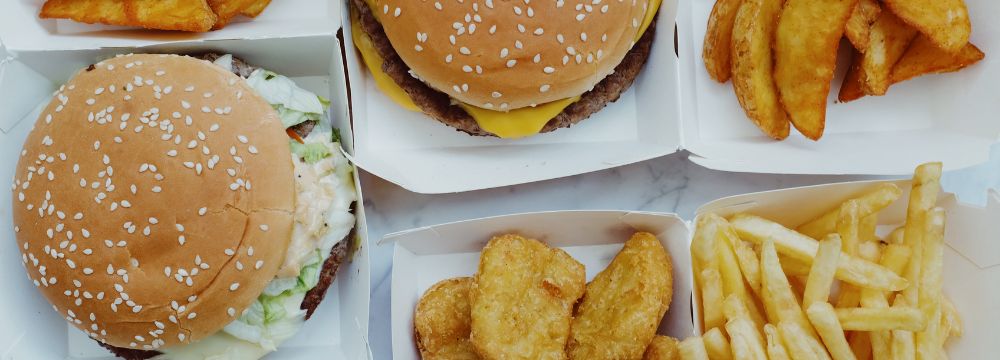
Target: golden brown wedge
{"points": [[716, 52], [753, 66], [923, 57], [890, 37], [861, 20], [945, 22], [110, 12]]}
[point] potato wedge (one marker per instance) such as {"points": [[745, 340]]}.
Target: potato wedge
{"points": [[805, 54], [522, 299], [255, 8], [227, 10], [110, 12], [861, 20], [718, 36], [441, 321], [624, 304], [753, 66], [945, 22], [889, 39], [850, 88], [185, 15], [923, 57], [662, 348]]}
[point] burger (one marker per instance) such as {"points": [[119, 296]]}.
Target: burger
{"points": [[504, 68], [171, 206]]}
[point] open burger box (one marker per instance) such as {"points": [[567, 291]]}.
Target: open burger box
{"points": [[674, 106], [28, 77], [424, 256]]}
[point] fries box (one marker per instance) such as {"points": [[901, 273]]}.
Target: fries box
{"points": [[424, 256], [31, 330], [948, 117], [21, 28]]}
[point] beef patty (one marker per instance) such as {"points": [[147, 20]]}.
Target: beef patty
{"points": [[328, 273], [439, 105]]}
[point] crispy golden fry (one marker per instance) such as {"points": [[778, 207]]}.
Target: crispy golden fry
{"points": [[110, 12], [803, 248], [717, 345], [923, 57], [925, 188], [775, 347], [794, 267], [748, 260], [441, 322], [753, 66], [779, 300], [950, 318], [693, 348], [881, 196], [711, 299], [732, 278], [861, 20], [850, 88], [896, 236], [849, 296], [718, 36], [902, 345], [805, 54], [522, 299], [945, 22], [255, 8], [823, 269], [890, 37], [861, 345], [662, 348], [867, 227], [703, 243], [799, 345], [823, 318], [876, 319], [228, 9], [746, 342], [931, 282], [624, 304], [185, 15], [848, 226], [881, 344]]}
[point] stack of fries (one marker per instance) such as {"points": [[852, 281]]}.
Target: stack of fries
{"points": [[183, 15], [768, 292]]}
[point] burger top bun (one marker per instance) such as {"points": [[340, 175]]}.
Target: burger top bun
{"points": [[153, 200], [505, 55]]}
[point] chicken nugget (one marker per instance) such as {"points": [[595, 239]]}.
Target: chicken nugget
{"points": [[624, 304], [442, 321], [662, 348], [522, 299]]}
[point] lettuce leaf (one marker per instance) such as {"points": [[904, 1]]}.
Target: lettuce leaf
{"points": [[311, 153], [295, 105]]}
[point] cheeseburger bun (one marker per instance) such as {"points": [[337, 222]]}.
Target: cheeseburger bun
{"points": [[507, 55], [155, 200]]}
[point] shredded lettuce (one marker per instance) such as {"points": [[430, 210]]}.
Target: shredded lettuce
{"points": [[311, 153], [295, 105]]}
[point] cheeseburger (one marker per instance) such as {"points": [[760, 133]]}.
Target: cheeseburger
{"points": [[504, 68], [173, 207]]}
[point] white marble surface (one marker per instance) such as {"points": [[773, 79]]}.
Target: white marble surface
{"points": [[669, 184]]}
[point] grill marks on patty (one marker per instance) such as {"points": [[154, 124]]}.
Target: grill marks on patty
{"points": [[439, 105]]}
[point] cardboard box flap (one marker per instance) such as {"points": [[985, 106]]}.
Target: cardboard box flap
{"points": [[22, 88], [948, 117], [973, 231], [21, 27], [425, 156]]}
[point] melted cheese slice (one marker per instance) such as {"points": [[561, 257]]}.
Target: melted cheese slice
{"points": [[513, 124]]}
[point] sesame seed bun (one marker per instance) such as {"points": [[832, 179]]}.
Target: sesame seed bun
{"points": [[153, 200], [505, 55]]}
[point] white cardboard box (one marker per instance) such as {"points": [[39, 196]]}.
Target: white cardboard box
{"points": [[31, 330], [673, 106], [21, 28], [427, 255]]}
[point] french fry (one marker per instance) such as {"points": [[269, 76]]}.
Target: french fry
{"points": [[890, 37], [881, 196], [951, 319], [923, 57], [732, 278], [895, 257], [779, 300], [693, 348], [945, 22], [929, 297], [775, 347], [902, 345], [896, 236], [711, 299], [876, 319], [861, 345], [805, 54], [703, 243], [799, 345], [923, 195], [753, 66], [867, 227], [716, 344], [822, 273], [745, 255], [881, 344], [792, 244], [823, 318], [794, 267], [718, 36], [858, 25], [848, 226], [746, 341]]}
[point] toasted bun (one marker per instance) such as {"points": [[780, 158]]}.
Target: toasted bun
{"points": [[153, 200], [505, 55]]}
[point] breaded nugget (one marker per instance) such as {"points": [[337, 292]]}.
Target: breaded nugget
{"points": [[522, 299], [624, 304], [442, 321], [662, 348]]}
